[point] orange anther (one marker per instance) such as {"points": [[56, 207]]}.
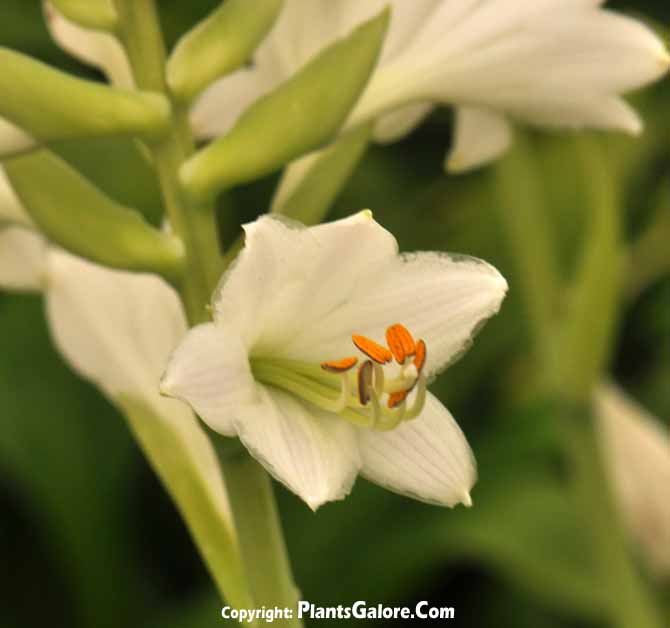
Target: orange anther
{"points": [[339, 366], [420, 357], [400, 342], [374, 351], [364, 382], [396, 398]]}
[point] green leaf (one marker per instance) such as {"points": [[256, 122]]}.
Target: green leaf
{"points": [[218, 45], [49, 104], [96, 14], [299, 116], [174, 453], [79, 217]]}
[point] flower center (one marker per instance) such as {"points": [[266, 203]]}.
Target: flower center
{"points": [[376, 394]]}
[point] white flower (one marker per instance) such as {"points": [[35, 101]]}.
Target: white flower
{"points": [[544, 62], [276, 367], [117, 329], [637, 456]]}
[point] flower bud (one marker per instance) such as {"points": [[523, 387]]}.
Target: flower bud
{"points": [[220, 44], [299, 116]]}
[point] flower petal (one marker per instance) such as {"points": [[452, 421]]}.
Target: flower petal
{"points": [[480, 136], [115, 328], [427, 459], [13, 140], [397, 124], [637, 454], [95, 48], [210, 371], [22, 259], [494, 56], [441, 299], [312, 452], [288, 278], [11, 210]]}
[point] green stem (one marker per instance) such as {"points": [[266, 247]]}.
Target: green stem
{"points": [[523, 219], [255, 515], [259, 529], [196, 226], [584, 348]]}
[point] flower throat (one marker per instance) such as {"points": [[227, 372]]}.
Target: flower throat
{"points": [[366, 396]]}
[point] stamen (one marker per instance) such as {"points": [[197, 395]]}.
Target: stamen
{"points": [[396, 398], [374, 351], [378, 379], [365, 382], [339, 366], [400, 342], [420, 357], [356, 395], [419, 400]]}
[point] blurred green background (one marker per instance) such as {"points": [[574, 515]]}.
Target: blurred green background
{"points": [[88, 537]]}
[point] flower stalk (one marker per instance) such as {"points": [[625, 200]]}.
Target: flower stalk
{"points": [[259, 529], [259, 533]]}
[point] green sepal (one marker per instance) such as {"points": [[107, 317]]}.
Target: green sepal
{"points": [[49, 104], [218, 45], [299, 116], [95, 14], [76, 215]]}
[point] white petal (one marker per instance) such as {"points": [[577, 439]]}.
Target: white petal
{"points": [[314, 453], [13, 140], [95, 48], [115, 328], [427, 459], [580, 111], [397, 124], [495, 56], [442, 299], [637, 453], [480, 136], [210, 371], [22, 259], [288, 278], [11, 210]]}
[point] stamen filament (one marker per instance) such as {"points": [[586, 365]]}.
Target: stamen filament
{"points": [[355, 394]]}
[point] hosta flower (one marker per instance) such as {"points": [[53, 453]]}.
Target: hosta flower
{"points": [[106, 325], [544, 62], [318, 356], [117, 329], [558, 63], [637, 455]]}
